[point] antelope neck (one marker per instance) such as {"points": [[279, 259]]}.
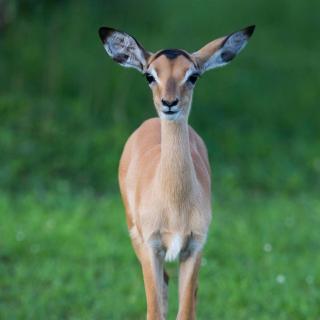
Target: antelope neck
{"points": [[177, 173]]}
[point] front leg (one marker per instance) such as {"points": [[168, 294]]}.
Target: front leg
{"points": [[188, 283], [153, 275]]}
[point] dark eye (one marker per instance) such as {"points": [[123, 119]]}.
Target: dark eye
{"points": [[150, 78], [193, 78]]}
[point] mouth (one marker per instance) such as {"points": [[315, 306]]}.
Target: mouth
{"points": [[170, 112]]}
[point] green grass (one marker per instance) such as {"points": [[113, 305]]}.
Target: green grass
{"points": [[67, 256]]}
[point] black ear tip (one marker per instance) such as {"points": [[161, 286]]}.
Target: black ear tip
{"points": [[249, 30], [104, 32]]}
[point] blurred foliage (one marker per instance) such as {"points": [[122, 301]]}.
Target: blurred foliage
{"points": [[66, 109]]}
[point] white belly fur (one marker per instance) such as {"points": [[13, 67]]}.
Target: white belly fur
{"points": [[174, 249]]}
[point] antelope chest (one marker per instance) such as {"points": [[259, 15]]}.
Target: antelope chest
{"points": [[175, 229]]}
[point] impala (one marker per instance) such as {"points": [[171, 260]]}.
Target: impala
{"points": [[164, 172]]}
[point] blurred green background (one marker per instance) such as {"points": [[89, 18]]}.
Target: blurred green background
{"points": [[66, 111]]}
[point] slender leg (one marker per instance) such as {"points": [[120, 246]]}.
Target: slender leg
{"points": [[165, 293], [152, 269], [188, 276]]}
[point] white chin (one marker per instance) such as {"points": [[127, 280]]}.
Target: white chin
{"points": [[172, 117]]}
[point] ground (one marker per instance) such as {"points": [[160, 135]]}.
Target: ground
{"points": [[67, 256]]}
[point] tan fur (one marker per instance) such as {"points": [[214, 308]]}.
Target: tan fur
{"points": [[164, 178]]}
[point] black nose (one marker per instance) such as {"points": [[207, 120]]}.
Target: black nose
{"points": [[170, 103]]}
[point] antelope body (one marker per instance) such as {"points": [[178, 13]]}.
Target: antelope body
{"points": [[164, 172]]}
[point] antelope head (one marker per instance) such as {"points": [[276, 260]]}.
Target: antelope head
{"points": [[173, 73]]}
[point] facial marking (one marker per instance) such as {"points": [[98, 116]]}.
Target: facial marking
{"points": [[172, 77], [171, 87], [187, 75], [154, 74], [171, 54]]}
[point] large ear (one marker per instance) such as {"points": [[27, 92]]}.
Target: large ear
{"points": [[123, 48], [221, 51]]}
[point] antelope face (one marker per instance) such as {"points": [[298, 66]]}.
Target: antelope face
{"points": [[172, 73]]}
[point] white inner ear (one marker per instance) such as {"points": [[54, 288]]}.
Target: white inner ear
{"points": [[215, 61], [232, 46], [125, 50], [236, 42]]}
